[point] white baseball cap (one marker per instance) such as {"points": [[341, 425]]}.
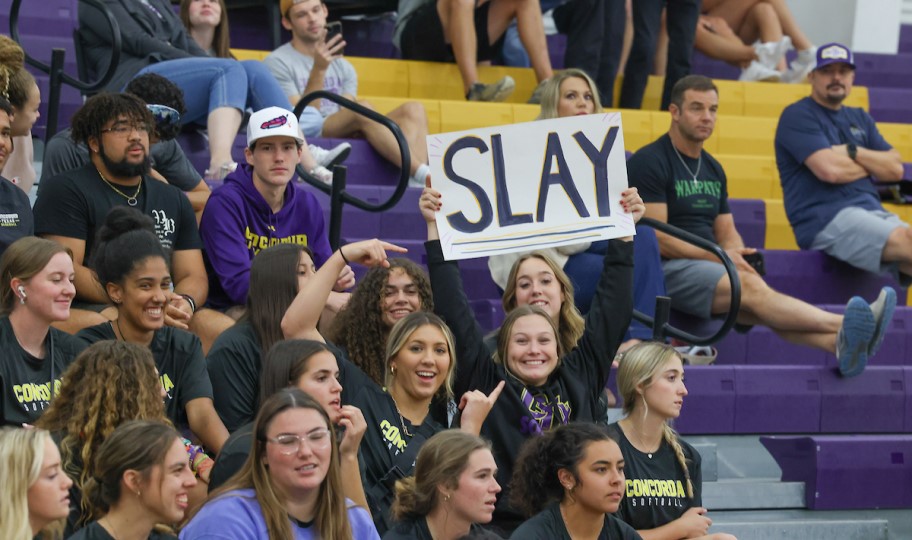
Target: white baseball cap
{"points": [[272, 122]]}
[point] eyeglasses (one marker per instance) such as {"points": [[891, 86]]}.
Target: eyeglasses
{"points": [[289, 444], [124, 129]]}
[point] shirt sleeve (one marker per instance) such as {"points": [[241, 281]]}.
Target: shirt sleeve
{"points": [[283, 73], [225, 518], [173, 164], [799, 134], [135, 40], [61, 154], [61, 209], [188, 236], [875, 141], [350, 81], [646, 172]]}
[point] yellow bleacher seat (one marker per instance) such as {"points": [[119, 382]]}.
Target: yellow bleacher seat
{"points": [[750, 177], [731, 97], [745, 135], [637, 128], [779, 233], [899, 136], [384, 105], [525, 112], [381, 77], [464, 115], [249, 54]]}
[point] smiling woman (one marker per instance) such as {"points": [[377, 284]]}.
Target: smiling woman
{"points": [[132, 265]]}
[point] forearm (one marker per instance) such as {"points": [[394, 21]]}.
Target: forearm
{"points": [[87, 287], [206, 425], [886, 165], [302, 316], [669, 531], [352, 485], [195, 286], [198, 198], [672, 248]]}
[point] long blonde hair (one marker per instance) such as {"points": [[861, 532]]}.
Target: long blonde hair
{"points": [[330, 516], [21, 456], [551, 92], [638, 365], [570, 323], [400, 334]]}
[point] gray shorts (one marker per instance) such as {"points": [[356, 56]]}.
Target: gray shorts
{"points": [[691, 284], [311, 122], [858, 237]]}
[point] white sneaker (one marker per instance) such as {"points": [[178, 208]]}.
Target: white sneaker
{"points": [[322, 174], [758, 72], [769, 53], [333, 156], [800, 67]]}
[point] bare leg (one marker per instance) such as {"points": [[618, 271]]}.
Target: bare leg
{"points": [[628, 37], [899, 249], [761, 23], [795, 320], [721, 42], [790, 26], [531, 31], [733, 11], [345, 123], [660, 60], [412, 119], [223, 124], [458, 20]]}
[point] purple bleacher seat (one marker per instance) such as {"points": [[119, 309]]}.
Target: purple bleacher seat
{"points": [[710, 404], [750, 218], [784, 399], [370, 38], [905, 38], [249, 28], [765, 347], [907, 171], [847, 472], [883, 70], [870, 403], [365, 166], [557, 48], [701, 64], [891, 104]]}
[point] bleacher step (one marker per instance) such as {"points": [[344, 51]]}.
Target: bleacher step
{"points": [[753, 494], [804, 529]]}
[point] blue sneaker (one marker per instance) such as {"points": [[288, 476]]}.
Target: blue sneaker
{"points": [[882, 308], [853, 339]]}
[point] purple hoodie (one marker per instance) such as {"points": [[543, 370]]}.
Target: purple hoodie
{"points": [[237, 223]]}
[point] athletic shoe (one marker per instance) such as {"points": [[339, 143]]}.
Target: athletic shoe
{"points": [[322, 174], [801, 66], [758, 72], [333, 156], [882, 308], [537, 93], [219, 174], [854, 337], [498, 91]]}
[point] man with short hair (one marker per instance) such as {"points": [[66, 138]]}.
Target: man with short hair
{"points": [[72, 206], [259, 206], [309, 63], [15, 210], [683, 185], [829, 157]]}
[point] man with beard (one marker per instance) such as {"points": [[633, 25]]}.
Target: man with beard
{"points": [[829, 157], [686, 187], [72, 206]]}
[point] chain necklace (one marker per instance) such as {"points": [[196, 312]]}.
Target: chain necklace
{"points": [[699, 163], [401, 418], [130, 200], [633, 428]]}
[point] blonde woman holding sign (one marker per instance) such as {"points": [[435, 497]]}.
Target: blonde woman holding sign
{"points": [[546, 385]]}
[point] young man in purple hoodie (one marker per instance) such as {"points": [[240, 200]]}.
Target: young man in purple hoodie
{"points": [[259, 206]]}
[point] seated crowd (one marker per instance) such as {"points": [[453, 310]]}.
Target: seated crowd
{"points": [[202, 365]]}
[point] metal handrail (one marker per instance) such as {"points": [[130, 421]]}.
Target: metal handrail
{"points": [[337, 193], [55, 70], [663, 327]]}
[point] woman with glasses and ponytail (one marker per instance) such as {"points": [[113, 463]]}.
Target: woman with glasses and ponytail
{"points": [[651, 383]]}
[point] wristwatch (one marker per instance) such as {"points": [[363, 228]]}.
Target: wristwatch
{"points": [[852, 149]]}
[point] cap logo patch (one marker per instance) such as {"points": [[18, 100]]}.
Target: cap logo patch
{"points": [[834, 52], [278, 121]]}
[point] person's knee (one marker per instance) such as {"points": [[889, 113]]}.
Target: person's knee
{"points": [[366, 104], [763, 11], [753, 288], [412, 111]]}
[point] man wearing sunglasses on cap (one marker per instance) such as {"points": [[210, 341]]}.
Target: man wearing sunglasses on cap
{"points": [[169, 163]]}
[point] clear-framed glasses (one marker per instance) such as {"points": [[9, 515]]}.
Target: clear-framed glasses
{"points": [[290, 443], [124, 129]]}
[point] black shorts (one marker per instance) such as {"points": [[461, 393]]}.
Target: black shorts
{"points": [[423, 39]]}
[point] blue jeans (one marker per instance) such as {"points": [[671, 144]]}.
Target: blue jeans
{"points": [[210, 83]]}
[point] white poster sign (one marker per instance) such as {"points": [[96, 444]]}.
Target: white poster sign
{"points": [[528, 186]]}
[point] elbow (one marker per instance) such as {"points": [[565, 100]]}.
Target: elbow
{"points": [[897, 172], [828, 174]]}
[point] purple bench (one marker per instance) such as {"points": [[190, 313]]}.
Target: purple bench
{"points": [[883, 70], [847, 472], [750, 218], [891, 104]]}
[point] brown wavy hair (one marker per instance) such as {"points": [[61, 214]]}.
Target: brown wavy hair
{"points": [[220, 44], [359, 327], [108, 384], [15, 81]]}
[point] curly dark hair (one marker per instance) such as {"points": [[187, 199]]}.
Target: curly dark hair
{"points": [[99, 109], [359, 327], [15, 81], [157, 90], [109, 383]]}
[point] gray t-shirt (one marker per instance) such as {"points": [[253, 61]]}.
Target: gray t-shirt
{"points": [[292, 69], [64, 154]]}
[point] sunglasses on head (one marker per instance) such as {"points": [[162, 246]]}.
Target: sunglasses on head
{"points": [[165, 117]]}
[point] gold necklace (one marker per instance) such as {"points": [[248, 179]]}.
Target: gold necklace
{"points": [[132, 201], [401, 419]]}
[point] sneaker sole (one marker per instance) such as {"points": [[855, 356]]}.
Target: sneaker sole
{"points": [[880, 328], [343, 155], [857, 332]]}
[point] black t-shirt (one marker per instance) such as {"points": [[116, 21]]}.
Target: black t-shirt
{"points": [[660, 177], [656, 489], [180, 362], [15, 214], [417, 529], [232, 457], [549, 525], [234, 364], [75, 204], [63, 154], [26, 380], [94, 531]]}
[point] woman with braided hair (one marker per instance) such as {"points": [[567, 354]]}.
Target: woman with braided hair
{"points": [[664, 481], [18, 86]]}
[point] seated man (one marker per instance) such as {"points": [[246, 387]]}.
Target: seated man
{"points": [[259, 206], [829, 156], [309, 62], [471, 32], [169, 163], [685, 186], [15, 210], [72, 206]]}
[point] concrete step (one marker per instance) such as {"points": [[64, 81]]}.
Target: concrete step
{"points": [[753, 494], [804, 530]]}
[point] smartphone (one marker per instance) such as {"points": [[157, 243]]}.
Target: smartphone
{"points": [[334, 29], [756, 261]]}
